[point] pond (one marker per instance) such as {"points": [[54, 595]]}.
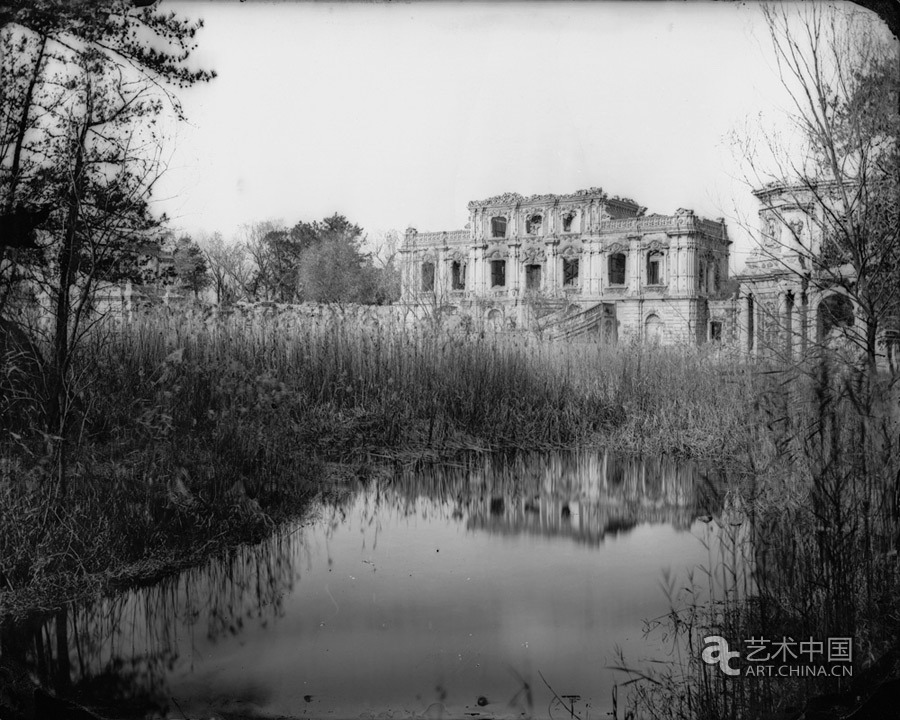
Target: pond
{"points": [[466, 590]]}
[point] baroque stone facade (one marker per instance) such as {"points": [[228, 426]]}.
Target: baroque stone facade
{"points": [[573, 264]]}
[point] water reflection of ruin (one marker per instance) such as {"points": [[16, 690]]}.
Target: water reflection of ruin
{"points": [[120, 654], [582, 495]]}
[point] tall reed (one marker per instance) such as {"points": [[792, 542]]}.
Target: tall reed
{"points": [[190, 428]]}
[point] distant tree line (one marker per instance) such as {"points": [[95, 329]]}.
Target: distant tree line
{"points": [[319, 261]]}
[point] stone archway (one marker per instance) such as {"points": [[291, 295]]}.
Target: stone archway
{"points": [[653, 328], [834, 312]]}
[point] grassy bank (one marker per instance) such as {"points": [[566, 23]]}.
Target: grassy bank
{"points": [[188, 432]]}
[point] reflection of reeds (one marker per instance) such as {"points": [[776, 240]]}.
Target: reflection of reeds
{"points": [[115, 654], [807, 550]]}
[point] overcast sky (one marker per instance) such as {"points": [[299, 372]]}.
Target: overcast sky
{"points": [[399, 114]]}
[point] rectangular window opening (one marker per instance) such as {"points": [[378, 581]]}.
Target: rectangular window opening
{"points": [[617, 269], [570, 272], [654, 276], [427, 277], [532, 277], [458, 275], [498, 273]]}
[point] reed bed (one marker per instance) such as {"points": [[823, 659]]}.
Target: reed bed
{"points": [[189, 430]]}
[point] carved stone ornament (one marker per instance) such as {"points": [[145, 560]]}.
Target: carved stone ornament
{"points": [[590, 191], [657, 245], [532, 254], [534, 222], [569, 252], [504, 199], [496, 254], [457, 255], [615, 247], [540, 198], [771, 234]]}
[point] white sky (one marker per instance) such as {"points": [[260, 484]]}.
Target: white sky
{"points": [[399, 114]]}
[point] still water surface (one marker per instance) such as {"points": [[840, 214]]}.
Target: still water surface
{"points": [[441, 591]]}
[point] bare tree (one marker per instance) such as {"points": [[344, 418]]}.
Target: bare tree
{"points": [[253, 237], [831, 198], [229, 267]]}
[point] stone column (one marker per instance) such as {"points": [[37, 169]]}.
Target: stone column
{"points": [[478, 270], [635, 257], [513, 271], [784, 325], [743, 323], [690, 268], [592, 272], [552, 282], [804, 324], [796, 329]]}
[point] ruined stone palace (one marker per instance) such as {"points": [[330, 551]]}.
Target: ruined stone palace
{"points": [[575, 264], [587, 264]]}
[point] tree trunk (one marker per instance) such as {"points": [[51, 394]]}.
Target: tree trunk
{"points": [[68, 253]]}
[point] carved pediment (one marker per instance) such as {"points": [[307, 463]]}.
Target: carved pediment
{"points": [[457, 255], [496, 253], [615, 247], [657, 245], [533, 254], [569, 252]]}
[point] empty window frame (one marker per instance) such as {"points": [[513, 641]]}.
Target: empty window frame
{"points": [[654, 268], [457, 275], [532, 277], [715, 331], [533, 224], [498, 273], [617, 269], [427, 277], [498, 227], [568, 222], [570, 271]]}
